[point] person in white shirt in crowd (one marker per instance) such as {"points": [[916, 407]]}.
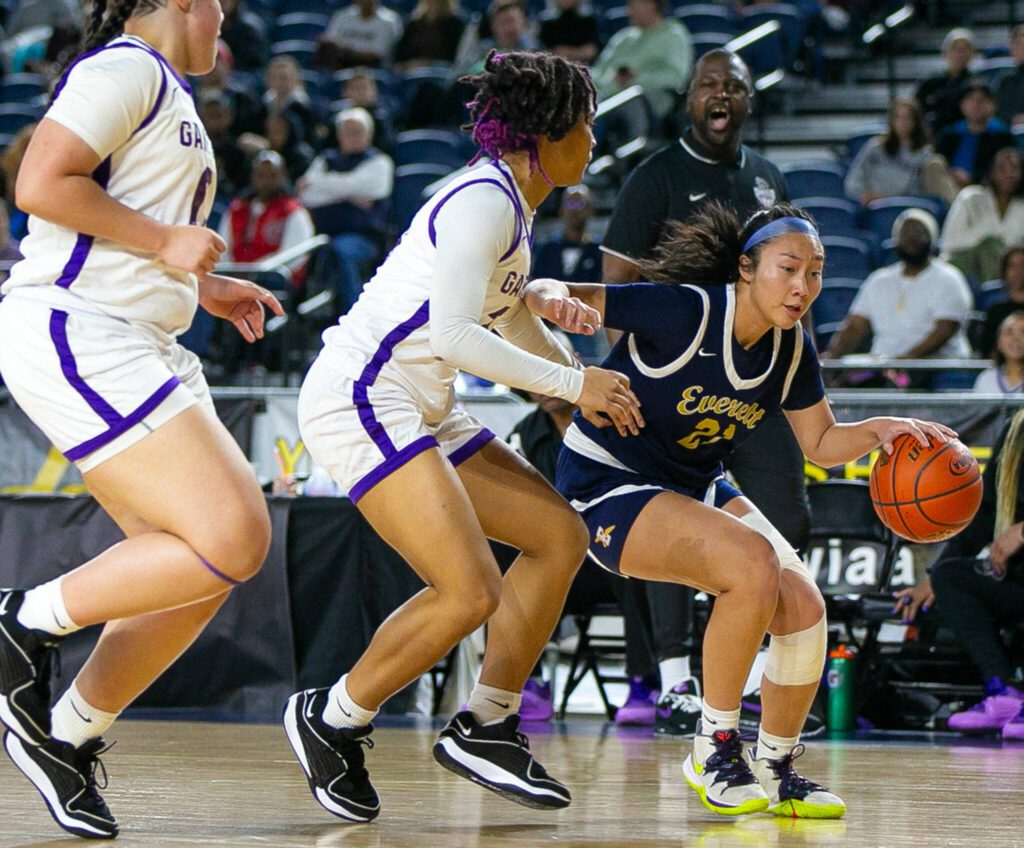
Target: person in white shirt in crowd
{"points": [[346, 190], [915, 308], [1006, 376], [364, 33], [986, 219]]}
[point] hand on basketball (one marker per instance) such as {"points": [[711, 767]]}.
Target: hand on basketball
{"points": [[238, 301], [568, 313], [909, 601], [196, 250], [607, 399], [1004, 546], [924, 432]]}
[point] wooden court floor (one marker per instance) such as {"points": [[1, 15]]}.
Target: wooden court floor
{"points": [[191, 784]]}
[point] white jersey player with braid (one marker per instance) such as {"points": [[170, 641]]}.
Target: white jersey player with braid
{"points": [[118, 180], [378, 411]]}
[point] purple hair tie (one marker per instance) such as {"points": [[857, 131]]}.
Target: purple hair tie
{"points": [[495, 138]]}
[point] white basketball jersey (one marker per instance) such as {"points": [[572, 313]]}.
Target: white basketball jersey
{"points": [[132, 108], [388, 329]]}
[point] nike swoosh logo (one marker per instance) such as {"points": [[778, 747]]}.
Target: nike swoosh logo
{"points": [[462, 728], [308, 712], [702, 352], [340, 707], [695, 197], [82, 717], [498, 703], [3, 604]]}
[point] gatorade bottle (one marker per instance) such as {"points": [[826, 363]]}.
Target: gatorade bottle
{"points": [[841, 712]]}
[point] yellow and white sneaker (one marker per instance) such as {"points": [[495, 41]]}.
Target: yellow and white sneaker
{"points": [[791, 795], [721, 776]]}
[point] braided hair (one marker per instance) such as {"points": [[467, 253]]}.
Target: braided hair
{"points": [[522, 96], [705, 250]]}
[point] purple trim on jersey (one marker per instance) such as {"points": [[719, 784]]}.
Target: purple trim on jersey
{"points": [[83, 244], [156, 106], [521, 215], [432, 230], [390, 465], [373, 427], [218, 573], [460, 455], [125, 424], [59, 334], [167, 65]]}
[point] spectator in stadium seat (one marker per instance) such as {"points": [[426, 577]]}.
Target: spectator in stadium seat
{"points": [[232, 160], [975, 595], [245, 107], [1012, 275], [915, 308], [654, 52], [1010, 85], [246, 34], [971, 144], [507, 29], [939, 96], [286, 93], [986, 219], [282, 133], [10, 164], [364, 33], [8, 245], [361, 90], [569, 32], [346, 190], [900, 162], [572, 256], [41, 13], [1006, 376], [431, 36]]}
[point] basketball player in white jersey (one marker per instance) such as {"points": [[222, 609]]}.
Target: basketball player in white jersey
{"points": [[377, 410], [119, 178]]}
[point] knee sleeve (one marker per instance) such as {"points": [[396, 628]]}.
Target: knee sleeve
{"points": [[788, 558], [797, 659]]}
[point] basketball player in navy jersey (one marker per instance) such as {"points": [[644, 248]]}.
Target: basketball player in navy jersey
{"points": [[710, 356]]}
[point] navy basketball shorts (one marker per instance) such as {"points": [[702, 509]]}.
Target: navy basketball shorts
{"points": [[610, 499]]}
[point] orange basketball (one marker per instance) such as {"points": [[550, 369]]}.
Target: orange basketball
{"points": [[926, 494]]}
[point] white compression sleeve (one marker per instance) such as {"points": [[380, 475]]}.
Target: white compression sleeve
{"points": [[474, 228]]}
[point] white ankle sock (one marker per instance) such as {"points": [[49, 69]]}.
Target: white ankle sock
{"points": [[673, 670], [712, 720], [43, 609], [771, 747], [490, 705], [342, 711], [76, 721]]}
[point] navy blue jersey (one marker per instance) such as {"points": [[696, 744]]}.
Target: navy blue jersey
{"points": [[701, 393]]}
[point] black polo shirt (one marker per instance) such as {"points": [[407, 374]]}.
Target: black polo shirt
{"points": [[674, 182]]}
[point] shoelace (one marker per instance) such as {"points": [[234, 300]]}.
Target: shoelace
{"points": [[88, 763], [510, 730], [791, 784], [727, 762]]}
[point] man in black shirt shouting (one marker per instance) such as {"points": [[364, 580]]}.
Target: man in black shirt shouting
{"points": [[708, 163]]}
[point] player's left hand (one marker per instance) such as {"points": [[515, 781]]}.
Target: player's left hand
{"points": [[239, 301], [924, 432]]}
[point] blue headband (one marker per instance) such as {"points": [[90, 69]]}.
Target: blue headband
{"points": [[778, 227]]}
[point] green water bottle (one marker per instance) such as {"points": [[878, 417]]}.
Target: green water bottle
{"points": [[841, 712]]}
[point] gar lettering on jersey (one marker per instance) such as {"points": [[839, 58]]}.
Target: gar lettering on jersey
{"points": [[701, 393]]}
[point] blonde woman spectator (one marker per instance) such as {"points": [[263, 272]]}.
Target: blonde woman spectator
{"points": [[900, 162], [1006, 376], [986, 219]]}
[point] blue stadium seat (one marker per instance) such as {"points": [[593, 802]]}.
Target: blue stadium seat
{"points": [[854, 143], [439, 147], [821, 179], [847, 257], [303, 50], [833, 303], [410, 183], [22, 88], [611, 21], [706, 41], [880, 214], [989, 294], [706, 17], [300, 26], [409, 83], [14, 116], [779, 49], [831, 213]]}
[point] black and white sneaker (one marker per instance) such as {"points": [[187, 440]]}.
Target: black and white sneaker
{"points": [[678, 710], [332, 758], [25, 658], [66, 778], [497, 756]]}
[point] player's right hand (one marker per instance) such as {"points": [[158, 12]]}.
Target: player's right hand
{"points": [[195, 250], [607, 396]]}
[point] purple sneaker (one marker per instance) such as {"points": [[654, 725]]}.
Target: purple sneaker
{"points": [[1014, 728], [537, 704], [989, 715], [639, 708]]}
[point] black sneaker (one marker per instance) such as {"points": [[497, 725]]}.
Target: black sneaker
{"points": [[497, 756], [332, 758], [66, 778], [750, 717], [678, 710], [25, 658]]}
